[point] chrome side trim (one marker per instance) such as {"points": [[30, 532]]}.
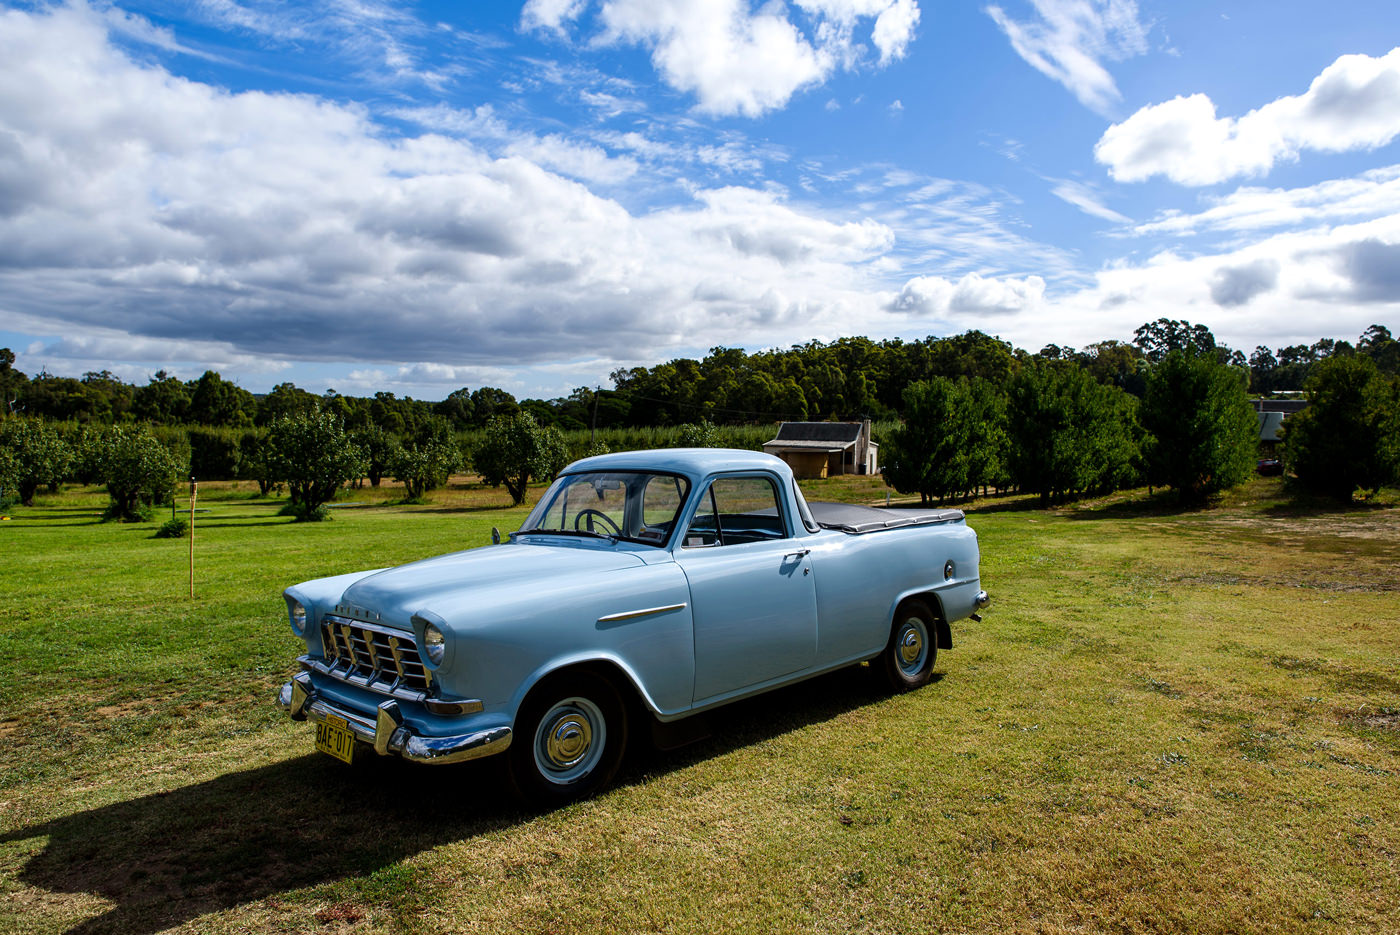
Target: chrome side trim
{"points": [[454, 708], [633, 614]]}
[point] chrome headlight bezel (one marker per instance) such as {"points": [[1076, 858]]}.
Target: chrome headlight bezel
{"points": [[434, 644], [297, 616]]}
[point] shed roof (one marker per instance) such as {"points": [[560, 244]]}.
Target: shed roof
{"points": [[803, 444], [844, 432]]}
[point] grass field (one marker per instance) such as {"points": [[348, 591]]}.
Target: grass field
{"points": [[1167, 722]]}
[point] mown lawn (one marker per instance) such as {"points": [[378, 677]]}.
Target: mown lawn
{"points": [[1168, 722]]}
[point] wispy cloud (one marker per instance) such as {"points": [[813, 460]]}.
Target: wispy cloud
{"points": [[1086, 199], [1070, 40], [1372, 194], [380, 37]]}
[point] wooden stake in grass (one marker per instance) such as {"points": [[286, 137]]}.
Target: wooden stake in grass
{"points": [[194, 495]]}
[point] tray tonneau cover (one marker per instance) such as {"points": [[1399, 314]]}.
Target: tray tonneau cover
{"points": [[856, 519]]}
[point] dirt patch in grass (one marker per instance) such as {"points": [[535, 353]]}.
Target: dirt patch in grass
{"points": [[1382, 719], [123, 709]]}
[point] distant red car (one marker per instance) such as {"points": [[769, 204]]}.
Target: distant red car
{"points": [[1269, 467]]}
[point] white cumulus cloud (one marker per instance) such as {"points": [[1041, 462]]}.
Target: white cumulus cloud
{"points": [[296, 228], [734, 58], [1353, 104]]}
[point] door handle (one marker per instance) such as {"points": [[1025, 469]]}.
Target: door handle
{"points": [[800, 553]]}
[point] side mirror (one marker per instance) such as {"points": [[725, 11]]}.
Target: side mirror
{"points": [[495, 536]]}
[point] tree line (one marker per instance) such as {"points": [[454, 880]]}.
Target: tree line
{"points": [[843, 379], [1052, 429], [1170, 409], [309, 454]]}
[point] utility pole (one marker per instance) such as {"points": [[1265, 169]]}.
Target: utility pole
{"points": [[593, 432]]}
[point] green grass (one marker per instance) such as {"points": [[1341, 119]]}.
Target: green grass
{"points": [[1167, 722]]}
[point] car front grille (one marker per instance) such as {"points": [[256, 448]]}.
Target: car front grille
{"points": [[379, 658]]}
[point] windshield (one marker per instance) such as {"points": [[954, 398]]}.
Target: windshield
{"points": [[634, 505]]}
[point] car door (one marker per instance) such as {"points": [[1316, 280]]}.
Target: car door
{"points": [[752, 592]]}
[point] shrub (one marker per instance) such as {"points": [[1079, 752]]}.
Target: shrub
{"points": [[175, 528], [314, 456], [36, 455], [702, 434], [9, 471], [427, 459], [1069, 434], [304, 514], [139, 472], [951, 441], [1205, 434], [1349, 436], [380, 449], [253, 463], [514, 450], [87, 442]]}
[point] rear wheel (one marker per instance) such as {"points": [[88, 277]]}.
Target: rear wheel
{"points": [[570, 736], [907, 661]]}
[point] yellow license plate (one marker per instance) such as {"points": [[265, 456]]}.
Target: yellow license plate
{"points": [[333, 736]]}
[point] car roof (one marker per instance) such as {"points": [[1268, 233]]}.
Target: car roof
{"points": [[691, 462]]}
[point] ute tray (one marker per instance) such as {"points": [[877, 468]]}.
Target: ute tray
{"points": [[854, 519]]}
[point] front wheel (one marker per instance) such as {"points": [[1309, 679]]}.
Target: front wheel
{"points": [[570, 737], [907, 661]]}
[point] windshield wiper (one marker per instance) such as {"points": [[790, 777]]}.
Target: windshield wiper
{"points": [[565, 532]]}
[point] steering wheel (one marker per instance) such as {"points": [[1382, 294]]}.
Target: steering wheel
{"points": [[599, 518]]}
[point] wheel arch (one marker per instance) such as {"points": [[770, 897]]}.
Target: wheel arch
{"points": [[624, 680], [930, 599]]}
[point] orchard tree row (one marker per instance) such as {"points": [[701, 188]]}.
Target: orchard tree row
{"points": [[312, 455], [1051, 429], [847, 378]]}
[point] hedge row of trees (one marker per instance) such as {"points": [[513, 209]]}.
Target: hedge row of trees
{"points": [[1060, 424], [847, 378], [311, 454], [1050, 428]]}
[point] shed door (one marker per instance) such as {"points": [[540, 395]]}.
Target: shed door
{"points": [[753, 597]]}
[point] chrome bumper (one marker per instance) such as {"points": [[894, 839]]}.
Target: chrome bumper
{"points": [[982, 601], [387, 733]]}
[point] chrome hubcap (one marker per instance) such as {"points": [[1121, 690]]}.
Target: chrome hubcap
{"points": [[912, 638], [570, 739]]}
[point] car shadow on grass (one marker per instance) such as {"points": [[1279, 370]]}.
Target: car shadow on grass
{"points": [[167, 858]]}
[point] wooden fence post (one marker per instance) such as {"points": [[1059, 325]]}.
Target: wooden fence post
{"points": [[194, 495]]}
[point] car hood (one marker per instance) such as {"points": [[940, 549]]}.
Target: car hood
{"points": [[395, 594]]}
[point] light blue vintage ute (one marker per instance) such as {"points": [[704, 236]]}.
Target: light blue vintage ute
{"points": [[644, 588]]}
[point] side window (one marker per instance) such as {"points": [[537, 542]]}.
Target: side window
{"points": [[661, 501], [704, 526], [736, 510]]}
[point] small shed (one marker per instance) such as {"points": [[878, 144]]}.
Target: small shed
{"points": [[1270, 432], [1272, 413], [823, 449]]}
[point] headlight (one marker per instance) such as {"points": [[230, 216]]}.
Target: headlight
{"points": [[298, 615], [434, 645]]}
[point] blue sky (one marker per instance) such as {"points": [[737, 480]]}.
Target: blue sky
{"points": [[417, 197]]}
